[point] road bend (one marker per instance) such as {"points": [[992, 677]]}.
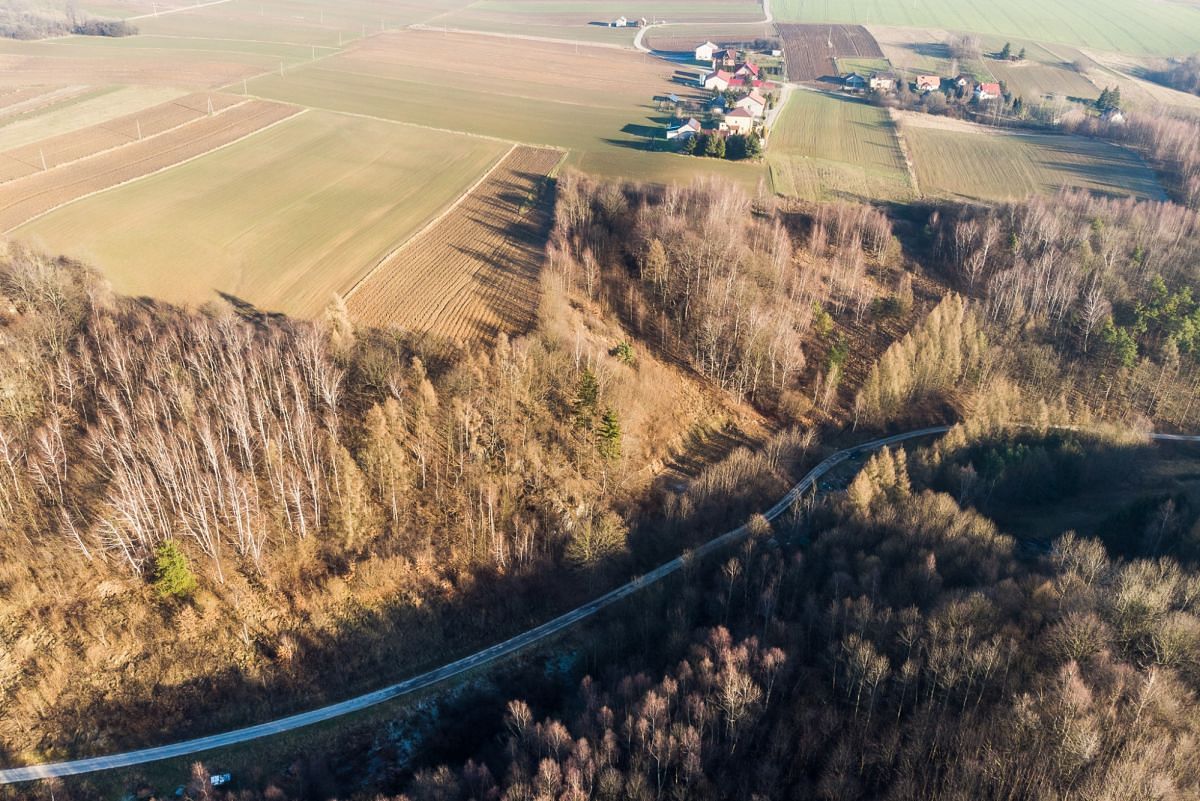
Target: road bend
{"points": [[480, 659]]}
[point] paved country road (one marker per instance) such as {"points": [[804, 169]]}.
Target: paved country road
{"points": [[479, 659]]}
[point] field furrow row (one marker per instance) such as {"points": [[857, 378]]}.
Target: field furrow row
{"points": [[473, 273], [29, 197], [69, 147]]}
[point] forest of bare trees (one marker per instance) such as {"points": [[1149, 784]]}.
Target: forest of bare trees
{"points": [[720, 278], [305, 501], [908, 652], [1088, 296]]}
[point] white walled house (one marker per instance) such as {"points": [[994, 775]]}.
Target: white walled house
{"points": [[706, 51]]}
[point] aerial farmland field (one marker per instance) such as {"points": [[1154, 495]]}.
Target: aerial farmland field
{"points": [[282, 219], [474, 272], [825, 146], [1147, 27], [102, 104], [597, 102], [33, 195], [967, 161]]}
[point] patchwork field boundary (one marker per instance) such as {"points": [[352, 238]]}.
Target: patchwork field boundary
{"points": [[458, 201], [296, 113], [101, 152], [903, 143]]}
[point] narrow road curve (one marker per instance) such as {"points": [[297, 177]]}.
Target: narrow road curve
{"points": [[477, 660], [768, 18]]}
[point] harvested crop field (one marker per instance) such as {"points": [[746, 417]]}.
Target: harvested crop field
{"points": [[474, 272], [29, 197], [65, 148], [281, 220], [966, 161], [825, 146], [811, 49]]}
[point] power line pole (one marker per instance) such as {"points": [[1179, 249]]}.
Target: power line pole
{"points": [[42, 153]]}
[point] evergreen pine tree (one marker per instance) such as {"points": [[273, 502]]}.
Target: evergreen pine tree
{"points": [[609, 443]]}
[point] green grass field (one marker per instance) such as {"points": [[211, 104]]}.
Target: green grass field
{"points": [[977, 163], [1134, 26], [827, 147], [863, 66], [281, 219]]}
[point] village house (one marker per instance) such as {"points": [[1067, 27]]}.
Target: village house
{"points": [[748, 71], [706, 51], [928, 83], [739, 121], [963, 82], [987, 91], [883, 81], [854, 82], [717, 81], [728, 57], [1114, 116], [717, 106], [684, 130], [754, 102], [620, 22]]}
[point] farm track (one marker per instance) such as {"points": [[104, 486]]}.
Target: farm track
{"points": [[473, 272], [34, 195], [810, 50], [66, 148]]}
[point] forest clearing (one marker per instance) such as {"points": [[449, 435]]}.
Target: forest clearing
{"points": [[963, 160]]}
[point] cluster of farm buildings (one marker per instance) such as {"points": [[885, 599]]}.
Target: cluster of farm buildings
{"points": [[887, 82], [742, 115]]}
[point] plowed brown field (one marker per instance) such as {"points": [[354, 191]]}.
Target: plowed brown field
{"points": [[25, 198], [474, 272], [811, 49], [65, 148]]}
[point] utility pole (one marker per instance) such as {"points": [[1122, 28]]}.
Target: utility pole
{"points": [[210, 107], [42, 153], [139, 127], [280, 69]]}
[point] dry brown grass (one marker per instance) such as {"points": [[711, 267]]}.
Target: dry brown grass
{"points": [[474, 272], [29, 197]]}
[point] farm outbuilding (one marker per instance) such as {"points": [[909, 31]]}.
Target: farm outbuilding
{"points": [[706, 51]]}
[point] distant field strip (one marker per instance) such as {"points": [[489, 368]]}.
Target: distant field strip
{"points": [[965, 161], [826, 147], [811, 49], [66, 148], [1146, 26], [281, 220], [34, 195], [474, 272]]}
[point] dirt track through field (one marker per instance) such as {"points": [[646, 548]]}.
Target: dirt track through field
{"points": [[66, 148], [34, 195], [811, 49], [474, 272]]}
